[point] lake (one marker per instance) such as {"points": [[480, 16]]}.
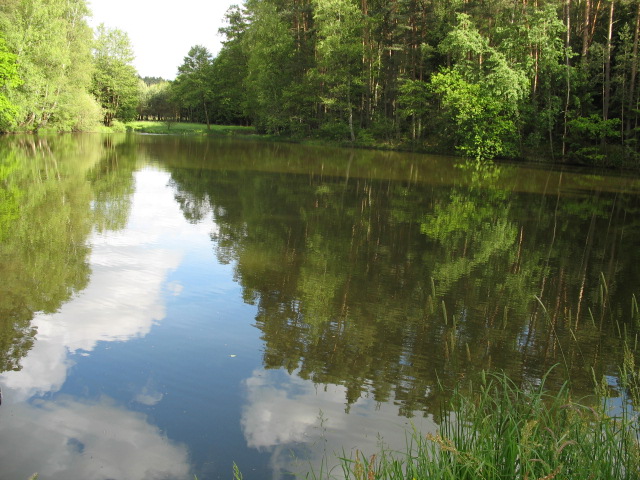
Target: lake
{"points": [[170, 306]]}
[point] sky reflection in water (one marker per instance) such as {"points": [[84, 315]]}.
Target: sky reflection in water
{"points": [[267, 304], [153, 370]]}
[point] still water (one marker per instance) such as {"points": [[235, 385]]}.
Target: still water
{"points": [[170, 306]]}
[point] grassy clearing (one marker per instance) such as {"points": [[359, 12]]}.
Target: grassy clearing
{"points": [[176, 128], [199, 129], [501, 431]]}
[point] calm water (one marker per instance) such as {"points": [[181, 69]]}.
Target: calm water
{"points": [[171, 305]]}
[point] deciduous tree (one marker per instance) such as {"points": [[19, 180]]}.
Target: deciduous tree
{"points": [[193, 87], [115, 80], [8, 79]]}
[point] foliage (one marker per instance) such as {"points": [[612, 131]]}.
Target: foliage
{"points": [[588, 137], [193, 87], [414, 99], [8, 79], [482, 130], [339, 49], [481, 94], [505, 431], [269, 68], [156, 101], [498, 80], [594, 128], [230, 71], [115, 80], [229, 95], [52, 44], [491, 81]]}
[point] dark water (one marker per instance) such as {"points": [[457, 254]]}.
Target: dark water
{"points": [[170, 306]]}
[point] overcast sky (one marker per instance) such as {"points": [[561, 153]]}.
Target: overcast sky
{"points": [[163, 32]]}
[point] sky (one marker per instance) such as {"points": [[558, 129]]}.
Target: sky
{"points": [[163, 32]]}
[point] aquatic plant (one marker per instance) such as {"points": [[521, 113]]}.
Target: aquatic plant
{"points": [[503, 431]]}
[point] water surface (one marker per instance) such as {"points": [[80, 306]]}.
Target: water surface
{"points": [[170, 306]]}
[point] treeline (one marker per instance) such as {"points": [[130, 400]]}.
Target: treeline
{"points": [[485, 78], [57, 73], [488, 78]]}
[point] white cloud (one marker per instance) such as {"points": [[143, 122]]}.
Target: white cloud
{"points": [[70, 439], [287, 411], [124, 298], [149, 395]]}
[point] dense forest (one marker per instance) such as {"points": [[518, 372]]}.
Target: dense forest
{"points": [[485, 78], [57, 73]]}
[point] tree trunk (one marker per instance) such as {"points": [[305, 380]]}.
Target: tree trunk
{"points": [[206, 115], [634, 72], [607, 67], [351, 132], [567, 44], [585, 29]]}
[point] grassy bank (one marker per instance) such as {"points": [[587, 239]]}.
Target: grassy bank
{"points": [[502, 431], [431, 146], [200, 129], [175, 128]]}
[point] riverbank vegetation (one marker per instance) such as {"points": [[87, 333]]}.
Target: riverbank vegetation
{"points": [[507, 431], [485, 79], [171, 127], [57, 74]]}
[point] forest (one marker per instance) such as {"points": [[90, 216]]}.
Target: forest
{"points": [[482, 78]]}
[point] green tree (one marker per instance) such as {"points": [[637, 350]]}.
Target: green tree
{"points": [[230, 71], [156, 101], [193, 87], [52, 42], [339, 48], [115, 80], [414, 103], [270, 60], [480, 94], [8, 79]]}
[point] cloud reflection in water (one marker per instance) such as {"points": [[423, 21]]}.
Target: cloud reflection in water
{"points": [[286, 414], [123, 299], [63, 437], [69, 439]]}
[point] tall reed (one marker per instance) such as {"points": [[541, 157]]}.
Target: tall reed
{"points": [[502, 431]]}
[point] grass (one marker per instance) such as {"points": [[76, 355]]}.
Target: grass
{"points": [[199, 129], [176, 128], [502, 431], [499, 430]]}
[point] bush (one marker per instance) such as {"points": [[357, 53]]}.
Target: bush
{"points": [[337, 131], [118, 127]]}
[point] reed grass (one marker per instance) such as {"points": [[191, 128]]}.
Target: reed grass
{"points": [[499, 430], [502, 431]]}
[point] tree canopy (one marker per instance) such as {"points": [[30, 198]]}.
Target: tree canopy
{"points": [[8, 78], [115, 80], [486, 79], [55, 75]]}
